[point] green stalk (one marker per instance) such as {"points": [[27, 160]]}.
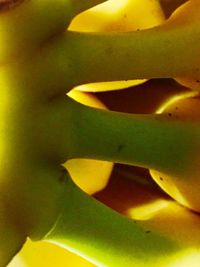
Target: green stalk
{"points": [[77, 58], [11, 238], [104, 237], [48, 18], [155, 141], [74, 58], [161, 52]]}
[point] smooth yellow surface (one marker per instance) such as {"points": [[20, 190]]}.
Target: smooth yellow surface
{"points": [[183, 187], [43, 254], [119, 15]]}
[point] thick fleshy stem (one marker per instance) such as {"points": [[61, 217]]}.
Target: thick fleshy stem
{"points": [[161, 52], [97, 57], [104, 237], [26, 205], [11, 238], [48, 18], [155, 141], [77, 58], [74, 58]]}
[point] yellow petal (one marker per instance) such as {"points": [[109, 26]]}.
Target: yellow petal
{"points": [[43, 254]]}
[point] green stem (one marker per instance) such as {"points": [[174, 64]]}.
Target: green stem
{"points": [[74, 58], [104, 237], [11, 239], [78, 58], [48, 18], [155, 141]]}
